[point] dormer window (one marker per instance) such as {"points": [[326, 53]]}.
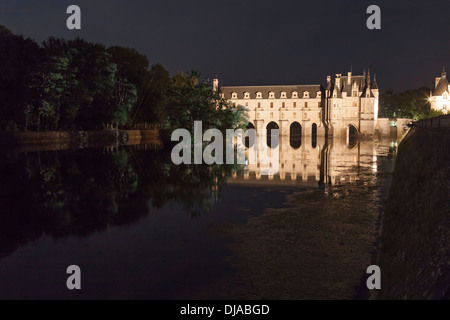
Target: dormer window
{"points": [[319, 94], [233, 95], [271, 95], [246, 95], [295, 94], [368, 94], [283, 95], [355, 94], [259, 95], [445, 95], [306, 94]]}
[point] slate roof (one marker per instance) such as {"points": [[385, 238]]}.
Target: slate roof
{"points": [[442, 86], [265, 90]]}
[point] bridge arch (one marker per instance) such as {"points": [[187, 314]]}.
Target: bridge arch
{"points": [[248, 143], [314, 135], [295, 135], [272, 126], [351, 135]]}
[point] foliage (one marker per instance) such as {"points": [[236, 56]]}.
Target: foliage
{"points": [[189, 99], [412, 104], [75, 84]]}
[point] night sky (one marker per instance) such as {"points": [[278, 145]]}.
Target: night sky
{"points": [[260, 41]]}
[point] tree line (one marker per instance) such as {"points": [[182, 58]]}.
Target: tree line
{"points": [[78, 85], [411, 104]]}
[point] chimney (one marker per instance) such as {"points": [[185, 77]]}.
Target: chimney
{"points": [[349, 78], [338, 81], [216, 85], [328, 79]]}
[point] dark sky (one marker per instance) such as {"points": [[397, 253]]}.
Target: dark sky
{"points": [[259, 41]]}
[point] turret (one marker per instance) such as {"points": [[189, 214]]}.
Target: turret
{"points": [[216, 85]]}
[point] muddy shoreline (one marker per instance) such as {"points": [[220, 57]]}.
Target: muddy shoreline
{"points": [[317, 247]]}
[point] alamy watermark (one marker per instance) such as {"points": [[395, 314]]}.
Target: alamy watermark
{"points": [[236, 152]]}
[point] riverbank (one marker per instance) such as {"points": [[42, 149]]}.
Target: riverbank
{"points": [[415, 253], [63, 140]]}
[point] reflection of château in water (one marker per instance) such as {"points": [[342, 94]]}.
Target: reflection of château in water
{"points": [[314, 162]]}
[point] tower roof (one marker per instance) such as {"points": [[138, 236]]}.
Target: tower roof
{"points": [[375, 83], [442, 85]]}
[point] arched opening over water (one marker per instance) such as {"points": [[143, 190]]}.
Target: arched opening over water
{"points": [[352, 135], [314, 136], [295, 135], [248, 143], [272, 126]]}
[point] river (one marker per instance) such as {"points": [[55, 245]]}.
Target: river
{"points": [[140, 227]]}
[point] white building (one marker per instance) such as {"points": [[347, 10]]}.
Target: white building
{"points": [[440, 100], [345, 104]]}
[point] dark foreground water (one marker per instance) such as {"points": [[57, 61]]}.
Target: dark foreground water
{"points": [[140, 227]]}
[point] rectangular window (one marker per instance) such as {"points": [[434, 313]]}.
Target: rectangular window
{"points": [[259, 104], [271, 104], [284, 105], [295, 104], [318, 104], [295, 115], [306, 104]]}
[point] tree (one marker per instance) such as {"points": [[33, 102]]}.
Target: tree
{"points": [[188, 99], [19, 67], [409, 104]]}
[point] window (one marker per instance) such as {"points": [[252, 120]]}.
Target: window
{"points": [[305, 94], [355, 94], [319, 94], [258, 95], [294, 94], [295, 104], [355, 104], [319, 104], [283, 105], [445, 95], [283, 94], [295, 115], [246, 105], [271, 115], [246, 95], [259, 104], [306, 104], [271, 104], [234, 95], [282, 115], [271, 95]]}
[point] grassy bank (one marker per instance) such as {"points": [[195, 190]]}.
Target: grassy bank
{"points": [[60, 140]]}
